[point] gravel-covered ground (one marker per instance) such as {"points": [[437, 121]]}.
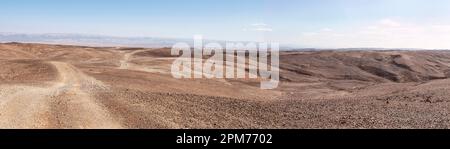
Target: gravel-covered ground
{"points": [[54, 86]]}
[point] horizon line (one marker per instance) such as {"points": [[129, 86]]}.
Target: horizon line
{"points": [[289, 46]]}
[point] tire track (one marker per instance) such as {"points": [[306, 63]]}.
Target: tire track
{"points": [[64, 104]]}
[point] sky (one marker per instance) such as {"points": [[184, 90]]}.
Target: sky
{"points": [[306, 23]]}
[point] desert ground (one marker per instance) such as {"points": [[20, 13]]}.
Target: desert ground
{"points": [[61, 86]]}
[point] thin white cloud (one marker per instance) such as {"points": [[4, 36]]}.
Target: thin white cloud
{"points": [[259, 24], [386, 33], [263, 29]]}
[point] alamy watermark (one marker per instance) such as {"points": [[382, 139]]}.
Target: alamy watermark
{"points": [[235, 61]]}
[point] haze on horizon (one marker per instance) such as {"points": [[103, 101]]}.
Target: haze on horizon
{"points": [[306, 23]]}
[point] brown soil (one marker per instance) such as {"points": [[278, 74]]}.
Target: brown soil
{"points": [[54, 86]]}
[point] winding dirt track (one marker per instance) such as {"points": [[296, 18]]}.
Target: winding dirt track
{"points": [[66, 103], [125, 63]]}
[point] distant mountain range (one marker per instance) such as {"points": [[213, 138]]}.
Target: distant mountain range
{"points": [[90, 40], [98, 40], [145, 42]]}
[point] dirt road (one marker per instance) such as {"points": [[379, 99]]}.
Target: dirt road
{"points": [[125, 63], [66, 103]]}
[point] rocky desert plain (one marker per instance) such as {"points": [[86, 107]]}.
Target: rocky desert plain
{"points": [[62, 86]]}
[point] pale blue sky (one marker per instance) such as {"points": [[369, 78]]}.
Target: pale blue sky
{"points": [[311, 23]]}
